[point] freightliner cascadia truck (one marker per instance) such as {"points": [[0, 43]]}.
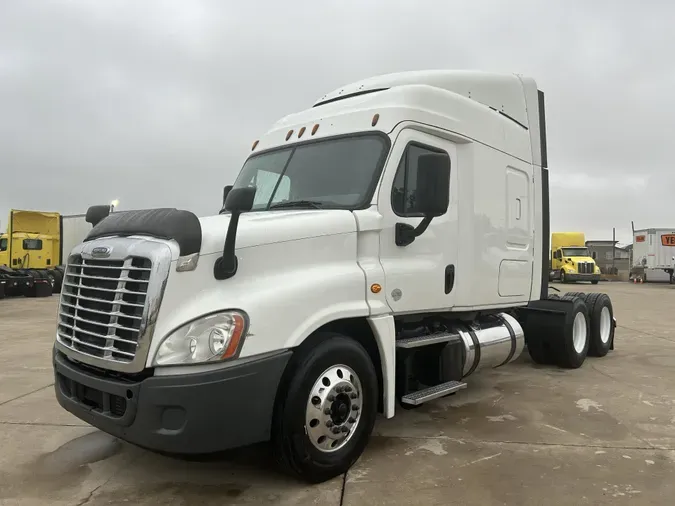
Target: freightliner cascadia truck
{"points": [[375, 252]]}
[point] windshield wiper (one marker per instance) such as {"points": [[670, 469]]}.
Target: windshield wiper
{"points": [[312, 204]]}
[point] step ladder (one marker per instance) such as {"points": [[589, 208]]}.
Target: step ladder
{"points": [[431, 393], [416, 342], [418, 397]]}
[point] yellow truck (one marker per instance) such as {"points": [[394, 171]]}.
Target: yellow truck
{"points": [[570, 259], [34, 248]]}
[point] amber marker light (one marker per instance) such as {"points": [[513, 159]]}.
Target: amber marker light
{"points": [[237, 334], [376, 118], [315, 128], [302, 131], [254, 145], [375, 288], [288, 135]]}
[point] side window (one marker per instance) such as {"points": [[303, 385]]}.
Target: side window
{"points": [[3, 244], [403, 192], [32, 244], [595, 255]]}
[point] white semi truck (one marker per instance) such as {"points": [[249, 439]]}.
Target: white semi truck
{"points": [[376, 250]]}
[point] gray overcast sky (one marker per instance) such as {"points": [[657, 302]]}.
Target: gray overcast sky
{"points": [[156, 103]]}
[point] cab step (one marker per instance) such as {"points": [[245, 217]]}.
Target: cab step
{"points": [[431, 393], [416, 342]]}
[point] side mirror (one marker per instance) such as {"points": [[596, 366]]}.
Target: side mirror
{"points": [[95, 214], [226, 192], [433, 184], [432, 195], [240, 199], [237, 201]]}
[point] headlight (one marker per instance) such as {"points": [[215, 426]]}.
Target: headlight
{"points": [[207, 339]]}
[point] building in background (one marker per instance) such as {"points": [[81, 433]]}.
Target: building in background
{"points": [[607, 255]]}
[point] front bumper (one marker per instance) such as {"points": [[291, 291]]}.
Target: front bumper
{"points": [[573, 276], [183, 414]]}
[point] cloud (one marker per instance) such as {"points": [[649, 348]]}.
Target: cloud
{"points": [[156, 103]]}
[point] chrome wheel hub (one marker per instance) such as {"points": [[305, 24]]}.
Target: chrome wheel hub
{"points": [[605, 325], [333, 408], [579, 332]]}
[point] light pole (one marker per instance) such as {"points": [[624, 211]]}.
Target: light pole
{"points": [[114, 204]]}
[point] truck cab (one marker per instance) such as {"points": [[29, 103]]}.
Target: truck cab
{"points": [[570, 259], [376, 250], [4, 245]]}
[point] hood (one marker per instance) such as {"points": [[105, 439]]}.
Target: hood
{"points": [[268, 227], [576, 260]]}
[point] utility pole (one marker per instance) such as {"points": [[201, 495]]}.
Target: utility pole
{"points": [[613, 248]]}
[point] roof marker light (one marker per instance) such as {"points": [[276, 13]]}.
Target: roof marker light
{"points": [[254, 145], [302, 131], [288, 135], [315, 128], [376, 118]]}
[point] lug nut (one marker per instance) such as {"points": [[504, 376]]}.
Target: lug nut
{"points": [[329, 423], [351, 419], [353, 395], [326, 411], [338, 389], [336, 430], [330, 398], [348, 389], [355, 407]]}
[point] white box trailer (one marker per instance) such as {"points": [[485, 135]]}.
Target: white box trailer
{"points": [[74, 228], [653, 249]]}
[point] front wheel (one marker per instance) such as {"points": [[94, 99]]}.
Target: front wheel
{"points": [[563, 279], [326, 412]]}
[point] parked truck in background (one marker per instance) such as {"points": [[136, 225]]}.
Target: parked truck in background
{"points": [[570, 259], [32, 250], [376, 249], [653, 249]]}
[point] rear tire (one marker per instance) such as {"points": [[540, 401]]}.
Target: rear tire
{"points": [[601, 314], [594, 282], [58, 278], [572, 347], [311, 405]]}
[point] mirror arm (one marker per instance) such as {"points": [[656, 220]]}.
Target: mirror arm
{"points": [[226, 266], [406, 234]]}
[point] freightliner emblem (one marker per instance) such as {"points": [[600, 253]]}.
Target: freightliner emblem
{"points": [[100, 252]]}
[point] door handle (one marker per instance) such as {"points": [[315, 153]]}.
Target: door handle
{"points": [[449, 278]]}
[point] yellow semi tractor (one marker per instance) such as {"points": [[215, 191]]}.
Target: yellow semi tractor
{"points": [[34, 248], [570, 259]]}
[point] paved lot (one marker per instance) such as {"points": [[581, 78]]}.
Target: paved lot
{"points": [[519, 435]]}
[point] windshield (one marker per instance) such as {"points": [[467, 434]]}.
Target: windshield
{"points": [[338, 173], [576, 252]]}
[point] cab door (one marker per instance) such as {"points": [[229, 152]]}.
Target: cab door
{"points": [[423, 274]]}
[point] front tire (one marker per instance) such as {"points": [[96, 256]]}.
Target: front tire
{"points": [[326, 410]]}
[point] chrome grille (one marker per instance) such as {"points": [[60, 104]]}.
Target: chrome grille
{"points": [[102, 306], [585, 267]]}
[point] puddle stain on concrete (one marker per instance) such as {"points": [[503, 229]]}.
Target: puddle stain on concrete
{"points": [[62, 469], [173, 492]]}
